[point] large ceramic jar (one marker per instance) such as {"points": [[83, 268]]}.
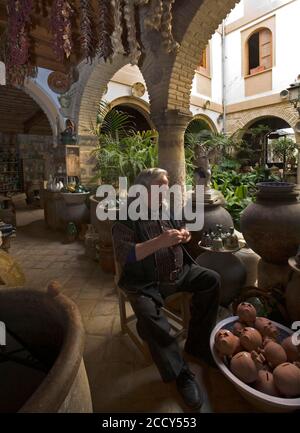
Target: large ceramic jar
{"points": [[271, 225], [214, 213]]}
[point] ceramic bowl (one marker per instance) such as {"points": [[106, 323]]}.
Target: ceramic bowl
{"points": [[258, 399]]}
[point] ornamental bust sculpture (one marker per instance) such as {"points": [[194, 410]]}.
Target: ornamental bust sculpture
{"points": [[68, 136], [202, 172]]}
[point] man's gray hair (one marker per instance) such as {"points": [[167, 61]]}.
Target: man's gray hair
{"points": [[148, 176]]}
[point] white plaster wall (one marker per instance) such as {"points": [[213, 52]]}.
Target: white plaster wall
{"points": [[233, 68], [216, 68], [121, 82], [287, 62], [287, 66], [209, 113], [216, 71], [236, 13]]}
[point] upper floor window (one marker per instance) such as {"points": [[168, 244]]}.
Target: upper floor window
{"points": [[259, 51], [204, 66], [203, 59]]}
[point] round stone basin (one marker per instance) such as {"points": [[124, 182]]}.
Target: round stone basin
{"points": [[42, 368], [74, 198]]}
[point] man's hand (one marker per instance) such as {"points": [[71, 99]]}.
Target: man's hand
{"points": [[186, 236], [169, 238]]}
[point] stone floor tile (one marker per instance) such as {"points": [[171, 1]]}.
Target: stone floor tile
{"points": [[100, 325]]}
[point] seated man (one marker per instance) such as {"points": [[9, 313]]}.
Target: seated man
{"points": [[154, 265]]}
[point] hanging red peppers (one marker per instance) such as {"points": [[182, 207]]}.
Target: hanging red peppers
{"points": [[61, 25], [17, 42], [88, 40], [105, 29], [110, 29]]}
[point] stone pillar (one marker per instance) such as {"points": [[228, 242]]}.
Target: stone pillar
{"points": [[297, 136], [171, 126]]}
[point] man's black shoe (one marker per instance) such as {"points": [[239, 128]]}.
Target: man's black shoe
{"points": [[189, 389]]}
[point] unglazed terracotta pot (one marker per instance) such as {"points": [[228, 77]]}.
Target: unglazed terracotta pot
{"points": [[50, 325], [271, 225]]}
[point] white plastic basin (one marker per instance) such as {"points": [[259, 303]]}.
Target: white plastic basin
{"points": [[260, 400]]}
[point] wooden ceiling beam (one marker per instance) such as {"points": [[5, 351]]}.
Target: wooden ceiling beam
{"points": [[33, 120]]}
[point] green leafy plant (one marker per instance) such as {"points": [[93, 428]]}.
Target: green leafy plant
{"points": [[121, 151], [253, 148], [238, 189], [111, 122], [285, 149]]}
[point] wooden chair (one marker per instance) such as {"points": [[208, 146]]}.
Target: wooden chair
{"points": [[177, 310]]}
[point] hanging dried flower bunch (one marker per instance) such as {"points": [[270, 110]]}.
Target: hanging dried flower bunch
{"points": [[106, 27], [88, 41], [116, 37], [141, 2], [159, 17], [166, 27], [41, 7], [154, 14], [16, 42], [61, 24], [134, 46]]}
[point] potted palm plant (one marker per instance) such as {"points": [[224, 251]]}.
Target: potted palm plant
{"points": [[121, 152]]}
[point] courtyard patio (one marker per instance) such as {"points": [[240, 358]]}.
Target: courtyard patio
{"points": [[119, 379]]}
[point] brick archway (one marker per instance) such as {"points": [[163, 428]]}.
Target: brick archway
{"points": [[90, 89], [201, 26], [168, 77], [239, 122], [210, 123]]}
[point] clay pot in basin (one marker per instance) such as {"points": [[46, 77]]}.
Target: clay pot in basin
{"points": [[260, 400]]}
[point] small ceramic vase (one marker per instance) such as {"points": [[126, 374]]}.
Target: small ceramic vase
{"points": [[217, 244]]}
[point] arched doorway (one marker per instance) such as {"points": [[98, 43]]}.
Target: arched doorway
{"points": [[258, 136], [201, 123], [26, 143], [137, 109]]}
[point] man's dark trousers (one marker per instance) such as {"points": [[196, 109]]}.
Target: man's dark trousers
{"points": [[153, 327]]}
